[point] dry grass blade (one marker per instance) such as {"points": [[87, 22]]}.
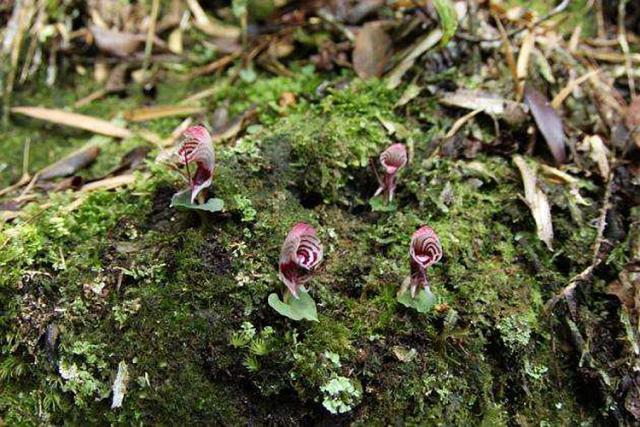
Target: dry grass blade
{"points": [[570, 87], [537, 201], [522, 66], [109, 183], [508, 51], [461, 122], [75, 120], [371, 51], [161, 111]]}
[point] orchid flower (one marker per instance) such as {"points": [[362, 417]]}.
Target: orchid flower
{"points": [[424, 251], [392, 159], [301, 253], [197, 147]]}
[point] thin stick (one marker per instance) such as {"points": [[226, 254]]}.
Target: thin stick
{"points": [[624, 45], [13, 65], [372, 165], [155, 6]]}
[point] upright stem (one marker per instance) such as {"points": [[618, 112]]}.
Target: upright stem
{"points": [[186, 163], [372, 165], [155, 6], [286, 296]]}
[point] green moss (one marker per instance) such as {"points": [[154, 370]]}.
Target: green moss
{"points": [[181, 298]]}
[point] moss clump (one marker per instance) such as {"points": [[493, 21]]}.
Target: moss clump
{"points": [[182, 298], [331, 142]]}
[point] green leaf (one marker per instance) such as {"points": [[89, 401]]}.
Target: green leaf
{"points": [[183, 200], [379, 204], [422, 303], [303, 307], [448, 19]]}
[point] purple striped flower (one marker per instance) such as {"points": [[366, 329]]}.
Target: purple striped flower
{"points": [[424, 251], [197, 148], [301, 253], [392, 159]]}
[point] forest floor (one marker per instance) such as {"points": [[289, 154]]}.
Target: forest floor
{"points": [[116, 308]]}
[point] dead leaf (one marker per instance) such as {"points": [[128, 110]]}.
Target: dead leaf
{"points": [[362, 9], [522, 66], [210, 26], [175, 41], [537, 201], [75, 120], [287, 99], [117, 78], [394, 77], [161, 111], [632, 118], [120, 385], [548, 121], [460, 122], [371, 51], [624, 292], [129, 162], [115, 42], [598, 153], [479, 100], [235, 126], [71, 163], [403, 354], [570, 87], [412, 91], [109, 183]]}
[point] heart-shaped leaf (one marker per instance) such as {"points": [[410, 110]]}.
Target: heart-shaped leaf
{"points": [[303, 307], [422, 303], [379, 204], [183, 200]]}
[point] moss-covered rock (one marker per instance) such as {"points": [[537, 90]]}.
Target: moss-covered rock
{"points": [[181, 298]]}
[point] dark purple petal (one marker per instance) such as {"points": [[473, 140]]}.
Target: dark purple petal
{"points": [[394, 158], [197, 148], [425, 250], [301, 252]]}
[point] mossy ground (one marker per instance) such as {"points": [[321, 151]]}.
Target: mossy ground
{"points": [[181, 298]]}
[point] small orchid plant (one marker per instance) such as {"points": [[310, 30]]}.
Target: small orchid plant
{"points": [[196, 151], [392, 159], [424, 251], [301, 253]]}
